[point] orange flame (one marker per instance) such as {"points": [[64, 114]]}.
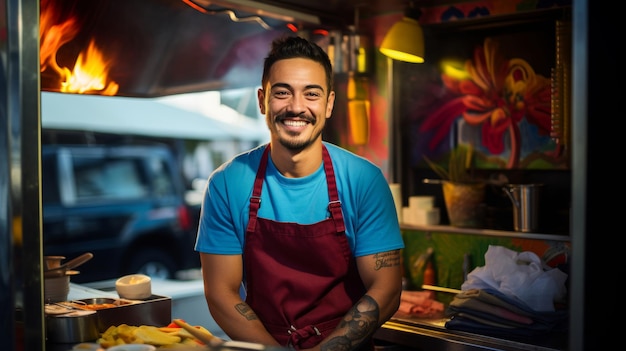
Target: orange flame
{"points": [[90, 72]]}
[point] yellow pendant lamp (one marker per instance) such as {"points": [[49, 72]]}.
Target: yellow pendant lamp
{"points": [[405, 39]]}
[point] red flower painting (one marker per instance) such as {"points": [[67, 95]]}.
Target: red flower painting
{"points": [[495, 94]]}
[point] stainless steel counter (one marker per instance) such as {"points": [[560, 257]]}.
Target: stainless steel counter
{"points": [[429, 334]]}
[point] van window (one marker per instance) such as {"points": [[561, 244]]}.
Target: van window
{"points": [[108, 179], [163, 184]]}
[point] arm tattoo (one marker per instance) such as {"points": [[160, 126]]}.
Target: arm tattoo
{"points": [[357, 326], [387, 259], [246, 311]]}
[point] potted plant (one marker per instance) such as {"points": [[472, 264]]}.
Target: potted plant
{"points": [[463, 193]]}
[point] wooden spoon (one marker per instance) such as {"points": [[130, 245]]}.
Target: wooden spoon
{"points": [[69, 265], [206, 338]]}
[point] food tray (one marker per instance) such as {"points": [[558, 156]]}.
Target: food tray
{"points": [[155, 310]]}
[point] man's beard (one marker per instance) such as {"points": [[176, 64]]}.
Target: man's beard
{"points": [[299, 145], [295, 144]]}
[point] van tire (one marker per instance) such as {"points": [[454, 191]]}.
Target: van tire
{"points": [[153, 262]]}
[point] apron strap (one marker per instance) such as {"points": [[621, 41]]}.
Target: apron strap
{"points": [[255, 200], [334, 206]]}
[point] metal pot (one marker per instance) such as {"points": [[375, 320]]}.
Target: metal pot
{"points": [[73, 327], [56, 289], [525, 200]]}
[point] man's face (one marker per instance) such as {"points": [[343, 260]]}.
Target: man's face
{"points": [[296, 102]]}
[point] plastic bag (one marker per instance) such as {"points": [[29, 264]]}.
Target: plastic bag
{"points": [[522, 275]]}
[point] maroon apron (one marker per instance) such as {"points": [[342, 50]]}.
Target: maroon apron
{"points": [[301, 279]]}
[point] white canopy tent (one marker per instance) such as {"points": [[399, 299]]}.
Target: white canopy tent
{"points": [[147, 117]]}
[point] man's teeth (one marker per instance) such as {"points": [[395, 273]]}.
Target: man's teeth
{"points": [[295, 123]]}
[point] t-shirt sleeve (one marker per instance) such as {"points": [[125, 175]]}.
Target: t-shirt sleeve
{"points": [[218, 230], [376, 225]]}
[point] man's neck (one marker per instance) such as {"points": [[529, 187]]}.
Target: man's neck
{"points": [[296, 164]]}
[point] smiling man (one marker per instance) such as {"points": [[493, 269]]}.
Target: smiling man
{"points": [[307, 228]]}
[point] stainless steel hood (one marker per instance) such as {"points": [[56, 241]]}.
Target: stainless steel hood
{"points": [[161, 47], [165, 47]]}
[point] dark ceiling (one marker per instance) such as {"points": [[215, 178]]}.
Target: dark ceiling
{"points": [[164, 47], [342, 12]]}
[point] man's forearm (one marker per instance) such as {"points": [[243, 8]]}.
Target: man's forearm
{"points": [[357, 326], [243, 325]]}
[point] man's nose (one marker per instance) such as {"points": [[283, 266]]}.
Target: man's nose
{"points": [[297, 104]]}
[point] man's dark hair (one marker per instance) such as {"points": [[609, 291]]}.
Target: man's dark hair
{"points": [[288, 47]]}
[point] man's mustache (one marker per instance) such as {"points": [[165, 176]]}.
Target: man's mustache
{"points": [[289, 115]]}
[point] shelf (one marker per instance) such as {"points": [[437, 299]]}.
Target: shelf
{"points": [[484, 232], [430, 334]]}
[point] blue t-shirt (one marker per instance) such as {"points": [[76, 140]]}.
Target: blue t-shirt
{"points": [[366, 201]]}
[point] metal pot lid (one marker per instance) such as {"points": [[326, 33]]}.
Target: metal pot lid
{"points": [[73, 314]]}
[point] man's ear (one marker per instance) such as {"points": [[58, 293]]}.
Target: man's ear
{"points": [[330, 104], [260, 94]]}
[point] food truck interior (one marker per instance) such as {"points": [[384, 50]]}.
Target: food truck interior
{"points": [[156, 48]]}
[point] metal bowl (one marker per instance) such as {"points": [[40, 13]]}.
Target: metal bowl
{"points": [[73, 327], [98, 303]]}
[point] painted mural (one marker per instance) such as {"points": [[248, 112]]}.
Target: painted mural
{"points": [[501, 106], [497, 88]]}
